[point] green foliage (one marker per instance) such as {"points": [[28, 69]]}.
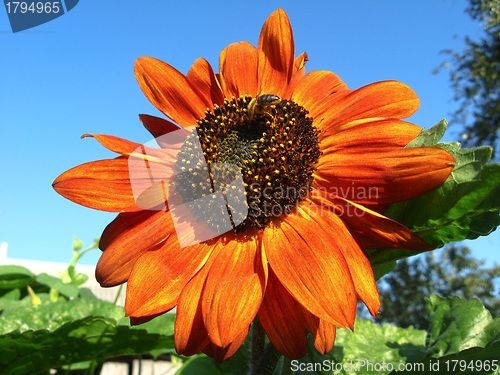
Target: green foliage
{"points": [[465, 206], [463, 338], [458, 324], [67, 289], [77, 245], [90, 338], [460, 330], [12, 277], [52, 315], [374, 344], [453, 272], [238, 364], [201, 365], [48, 322], [486, 11], [475, 78]]}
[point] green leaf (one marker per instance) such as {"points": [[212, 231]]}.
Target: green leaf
{"points": [[474, 361], [68, 289], [163, 324], [77, 244], [383, 269], [238, 364], [463, 338], [90, 338], [368, 344], [26, 302], [461, 331], [12, 277], [465, 206], [445, 214], [12, 295], [24, 316], [77, 278], [87, 293], [459, 324], [201, 365], [383, 342], [383, 261], [79, 366], [431, 136]]}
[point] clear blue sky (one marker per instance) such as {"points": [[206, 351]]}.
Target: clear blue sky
{"points": [[74, 75]]}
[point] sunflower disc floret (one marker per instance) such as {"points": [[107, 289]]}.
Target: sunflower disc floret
{"points": [[276, 152]]}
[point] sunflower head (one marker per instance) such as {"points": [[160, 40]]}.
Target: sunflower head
{"points": [[271, 143], [285, 174]]}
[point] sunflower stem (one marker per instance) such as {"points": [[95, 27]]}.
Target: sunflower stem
{"points": [[267, 362], [286, 369], [258, 343]]}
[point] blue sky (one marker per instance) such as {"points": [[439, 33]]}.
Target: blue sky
{"points": [[74, 75]]}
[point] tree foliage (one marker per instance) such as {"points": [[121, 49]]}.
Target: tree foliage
{"points": [[475, 78], [454, 272]]}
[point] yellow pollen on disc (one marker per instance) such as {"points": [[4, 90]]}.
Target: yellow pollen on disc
{"points": [[275, 149]]}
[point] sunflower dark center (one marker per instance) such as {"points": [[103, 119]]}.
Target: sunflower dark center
{"points": [[274, 150]]}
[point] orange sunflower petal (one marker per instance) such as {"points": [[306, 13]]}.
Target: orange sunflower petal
{"points": [[282, 319], [298, 73], [362, 275], [296, 78], [157, 126], [135, 321], [190, 333], [323, 332], [221, 354], [276, 54], [115, 144], [238, 66], [168, 136], [376, 226], [313, 90], [125, 239], [324, 337], [234, 287], [305, 256], [300, 62], [368, 135], [202, 76], [170, 91], [381, 99], [103, 185], [128, 148], [159, 276], [383, 177], [359, 266]]}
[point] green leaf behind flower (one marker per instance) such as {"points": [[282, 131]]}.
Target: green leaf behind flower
{"points": [[90, 338], [461, 330], [52, 315], [12, 277], [465, 206], [463, 339], [368, 344], [68, 289], [459, 324]]}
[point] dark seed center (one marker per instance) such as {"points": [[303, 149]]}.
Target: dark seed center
{"points": [[275, 150]]}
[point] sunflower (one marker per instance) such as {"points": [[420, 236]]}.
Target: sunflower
{"points": [[319, 163]]}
